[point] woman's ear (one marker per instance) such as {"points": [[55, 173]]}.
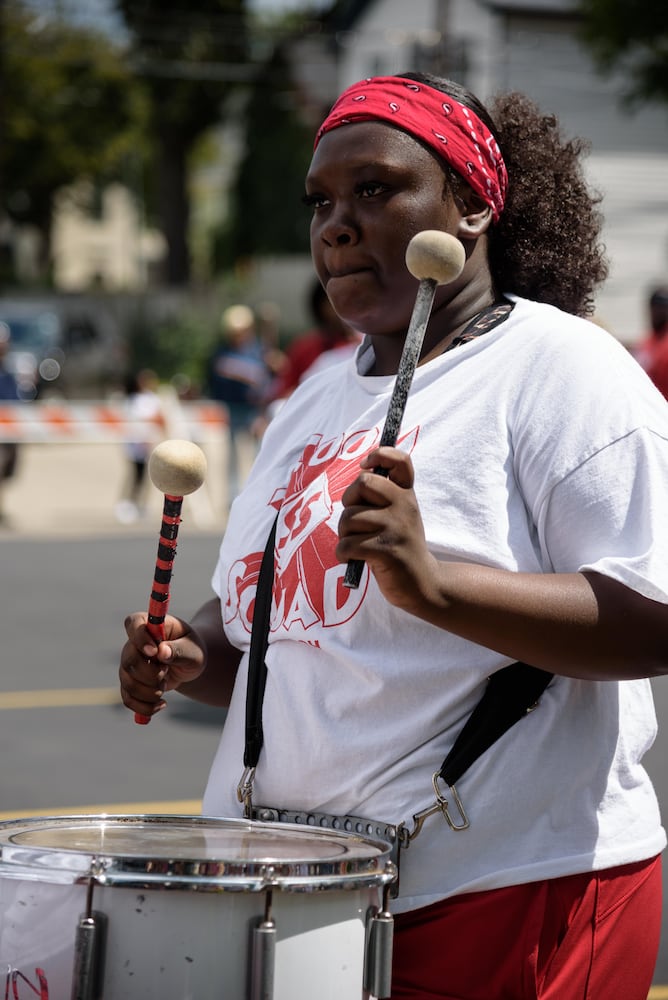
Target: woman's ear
{"points": [[476, 216]]}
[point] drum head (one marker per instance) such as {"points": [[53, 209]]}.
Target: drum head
{"points": [[210, 853]]}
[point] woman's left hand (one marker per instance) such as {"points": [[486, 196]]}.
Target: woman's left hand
{"points": [[381, 524]]}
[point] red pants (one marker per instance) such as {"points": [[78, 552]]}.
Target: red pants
{"points": [[584, 937]]}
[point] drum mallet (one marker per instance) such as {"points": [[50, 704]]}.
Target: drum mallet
{"points": [[176, 468], [434, 258]]}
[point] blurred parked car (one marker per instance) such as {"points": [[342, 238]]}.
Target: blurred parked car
{"points": [[35, 354], [60, 349]]}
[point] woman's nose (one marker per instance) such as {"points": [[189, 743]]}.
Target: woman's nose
{"points": [[339, 230]]}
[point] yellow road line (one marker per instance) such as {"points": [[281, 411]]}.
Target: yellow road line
{"points": [[658, 993], [59, 698], [188, 807]]}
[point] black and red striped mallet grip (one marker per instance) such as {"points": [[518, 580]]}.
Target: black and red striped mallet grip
{"points": [[176, 468]]}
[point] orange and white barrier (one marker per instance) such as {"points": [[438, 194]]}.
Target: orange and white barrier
{"points": [[65, 422]]}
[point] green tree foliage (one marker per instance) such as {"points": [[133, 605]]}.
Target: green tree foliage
{"points": [[632, 37], [179, 345], [189, 57], [69, 111], [269, 216]]}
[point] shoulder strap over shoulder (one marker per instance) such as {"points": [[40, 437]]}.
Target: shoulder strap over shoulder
{"points": [[509, 695]]}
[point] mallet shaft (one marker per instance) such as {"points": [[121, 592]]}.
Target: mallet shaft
{"points": [[397, 405]]}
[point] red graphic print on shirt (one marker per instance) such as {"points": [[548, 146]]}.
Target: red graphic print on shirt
{"points": [[308, 580]]}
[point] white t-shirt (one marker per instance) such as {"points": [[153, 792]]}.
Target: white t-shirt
{"points": [[539, 447]]}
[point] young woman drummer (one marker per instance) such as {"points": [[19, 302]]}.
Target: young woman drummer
{"points": [[520, 518]]}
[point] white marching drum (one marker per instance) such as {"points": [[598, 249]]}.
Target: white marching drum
{"points": [[187, 908]]}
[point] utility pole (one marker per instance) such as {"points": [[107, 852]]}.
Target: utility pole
{"points": [[443, 60]]}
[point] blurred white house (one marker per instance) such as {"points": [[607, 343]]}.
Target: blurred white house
{"points": [[102, 242], [534, 46]]}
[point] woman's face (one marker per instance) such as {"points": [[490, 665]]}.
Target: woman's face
{"points": [[372, 188]]}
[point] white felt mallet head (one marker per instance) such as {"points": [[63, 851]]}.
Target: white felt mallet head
{"points": [[177, 467], [436, 256]]}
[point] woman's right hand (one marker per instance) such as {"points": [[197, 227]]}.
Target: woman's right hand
{"points": [[148, 668]]}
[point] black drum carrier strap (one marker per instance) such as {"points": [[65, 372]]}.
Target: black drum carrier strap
{"points": [[510, 694]]}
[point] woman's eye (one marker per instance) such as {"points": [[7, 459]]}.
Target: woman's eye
{"points": [[370, 188], [314, 201]]}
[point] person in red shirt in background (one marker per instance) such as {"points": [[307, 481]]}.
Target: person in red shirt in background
{"points": [[657, 363], [329, 332], [647, 350], [658, 370]]}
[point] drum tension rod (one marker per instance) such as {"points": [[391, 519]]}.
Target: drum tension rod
{"points": [[89, 951], [263, 950], [378, 952]]}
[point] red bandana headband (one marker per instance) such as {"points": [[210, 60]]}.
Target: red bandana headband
{"points": [[452, 130]]}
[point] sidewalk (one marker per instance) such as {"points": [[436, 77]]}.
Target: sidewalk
{"points": [[71, 490]]}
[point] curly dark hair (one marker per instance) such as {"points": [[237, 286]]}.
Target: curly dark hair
{"points": [[546, 245]]}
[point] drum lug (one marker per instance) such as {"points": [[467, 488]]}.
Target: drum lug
{"points": [[378, 953], [89, 949], [263, 949]]}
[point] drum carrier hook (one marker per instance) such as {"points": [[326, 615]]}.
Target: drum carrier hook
{"points": [[441, 805], [245, 791]]}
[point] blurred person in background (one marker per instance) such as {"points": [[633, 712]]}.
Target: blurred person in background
{"points": [[335, 355], [646, 349], [143, 404], [239, 378], [9, 393], [658, 368], [328, 333], [268, 326]]}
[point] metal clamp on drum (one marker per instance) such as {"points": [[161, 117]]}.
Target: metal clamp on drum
{"points": [[376, 829]]}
